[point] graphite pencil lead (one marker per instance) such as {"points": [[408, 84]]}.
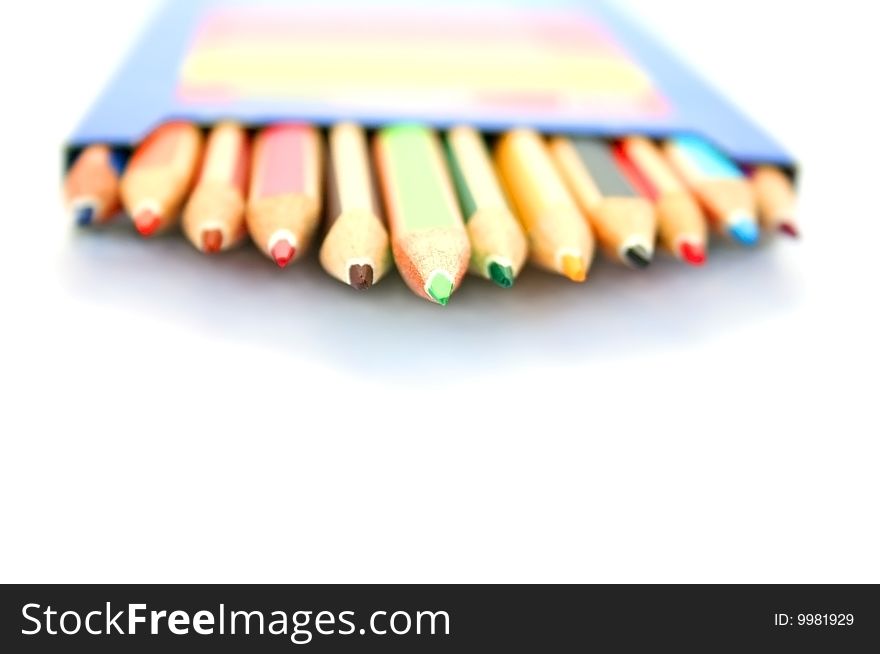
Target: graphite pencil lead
{"points": [[638, 256], [360, 276]]}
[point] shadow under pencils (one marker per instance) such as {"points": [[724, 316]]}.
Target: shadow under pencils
{"points": [[387, 333]]}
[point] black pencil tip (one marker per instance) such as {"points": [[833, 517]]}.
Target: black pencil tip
{"points": [[638, 256]]}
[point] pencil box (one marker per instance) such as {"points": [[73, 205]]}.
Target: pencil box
{"points": [[578, 67]]}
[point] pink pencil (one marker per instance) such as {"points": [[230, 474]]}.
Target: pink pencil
{"points": [[285, 195]]}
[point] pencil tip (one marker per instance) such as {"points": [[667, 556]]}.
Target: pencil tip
{"points": [[212, 240], [692, 253], [500, 274], [439, 287], [283, 252], [745, 231], [638, 256], [789, 228], [84, 215], [574, 268], [147, 222], [360, 276]]}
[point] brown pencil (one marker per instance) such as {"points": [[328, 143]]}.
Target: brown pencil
{"points": [[356, 249], [214, 216]]}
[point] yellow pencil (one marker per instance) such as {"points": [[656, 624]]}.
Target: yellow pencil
{"points": [[160, 175], [355, 250], [777, 199], [559, 238], [498, 244], [213, 219], [624, 221]]}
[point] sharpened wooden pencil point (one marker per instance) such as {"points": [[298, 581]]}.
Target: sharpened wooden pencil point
{"points": [[212, 241], [360, 276]]}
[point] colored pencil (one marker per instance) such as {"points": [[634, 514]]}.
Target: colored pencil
{"points": [[160, 175], [776, 198], [718, 184], [285, 194], [91, 188], [560, 239], [356, 248], [428, 236], [213, 219], [498, 244], [681, 224], [623, 220]]}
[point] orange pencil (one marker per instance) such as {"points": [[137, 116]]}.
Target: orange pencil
{"points": [[560, 238], [214, 216], [91, 188], [285, 195], [160, 175]]}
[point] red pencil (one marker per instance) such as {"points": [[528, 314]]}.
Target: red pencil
{"points": [[682, 227], [160, 175]]}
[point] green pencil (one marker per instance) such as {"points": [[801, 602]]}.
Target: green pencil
{"points": [[428, 236]]}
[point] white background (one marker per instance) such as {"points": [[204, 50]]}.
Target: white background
{"points": [[167, 417]]}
